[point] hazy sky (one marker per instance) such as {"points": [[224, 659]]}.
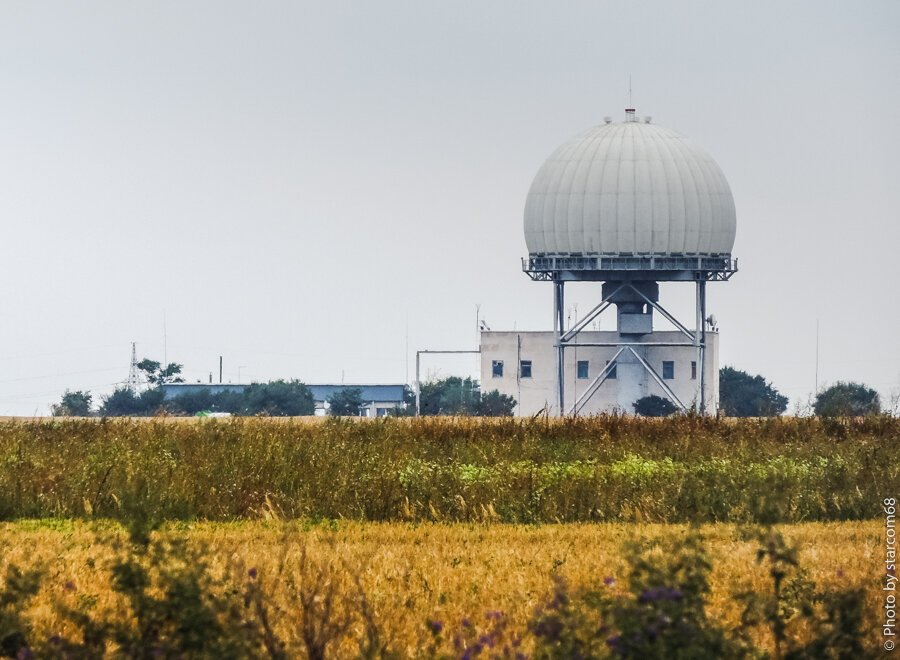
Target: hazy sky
{"points": [[294, 185]]}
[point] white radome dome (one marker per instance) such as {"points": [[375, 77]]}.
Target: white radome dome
{"points": [[629, 188]]}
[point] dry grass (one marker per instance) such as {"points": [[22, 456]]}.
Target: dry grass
{"points": [[411, 573]]}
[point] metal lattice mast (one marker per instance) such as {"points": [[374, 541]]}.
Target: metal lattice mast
{"points": [[134, 382]]}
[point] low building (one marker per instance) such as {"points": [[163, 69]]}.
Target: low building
{"points": [[378, 399], [523, 365]]}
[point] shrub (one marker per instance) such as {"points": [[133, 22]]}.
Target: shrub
{"points": [[345, 402], [847, 400], [743, 395], [279, 398], [654, 406], [73, 404], [494, 404]]}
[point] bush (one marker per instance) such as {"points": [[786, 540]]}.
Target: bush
{"points": [[279, 398], [845, 399], [743, 395], [663, 615], [120, 403], [494, 404], [654, 406], [345, 402], [73, 404]]}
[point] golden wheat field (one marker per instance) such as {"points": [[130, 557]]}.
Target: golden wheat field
{"points": [[410, 574]]}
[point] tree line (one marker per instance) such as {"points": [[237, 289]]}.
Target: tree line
{"points": [[740, 395], [280, 398]]}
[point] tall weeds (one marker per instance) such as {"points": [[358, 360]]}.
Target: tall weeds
{"points": [[606, 468]]}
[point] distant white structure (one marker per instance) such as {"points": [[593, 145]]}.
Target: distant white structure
{"points": [[523, 365], [629, 205]]}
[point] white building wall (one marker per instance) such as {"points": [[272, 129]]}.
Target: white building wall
{"points": [[539, 391]]}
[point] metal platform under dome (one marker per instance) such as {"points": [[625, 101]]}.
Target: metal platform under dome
{"points": [[601, 268], [629, 277]]}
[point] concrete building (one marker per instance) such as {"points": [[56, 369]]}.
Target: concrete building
{"points": [[626, 204], [523, 366]]}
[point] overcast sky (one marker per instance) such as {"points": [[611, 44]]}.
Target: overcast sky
{"points": [[299, 187]]}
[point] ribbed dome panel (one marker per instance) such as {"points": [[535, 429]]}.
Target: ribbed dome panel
{"points": [[629, 188]]}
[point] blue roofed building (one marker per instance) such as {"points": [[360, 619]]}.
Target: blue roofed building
{"points": [[378, 399]]}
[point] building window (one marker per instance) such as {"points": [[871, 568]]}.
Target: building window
{"points": [[668, 369], [497, 368], [525, 368], [612, 371], [582, 368], [693, 370]]}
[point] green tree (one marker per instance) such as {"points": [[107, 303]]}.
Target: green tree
{"points": [[73, 404], [279, 398], [157, 375], [120, 403], [460, 396], [450, 396], [123, 402], [345, 402], [494, 404], [743, 395], [654, 406], [847, 399], [408, 407], [191, 403]]}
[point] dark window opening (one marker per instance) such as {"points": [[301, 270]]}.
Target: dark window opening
{"points": [[668, 369], [693, 370], [582, 368], [497, 368], [525, 368], [612, 370]]}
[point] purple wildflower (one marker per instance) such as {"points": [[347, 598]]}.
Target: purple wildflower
{"points": [[486, 640], [609, 580], [615, 643], [56, 640], [24, 654], [660, 593], [549, 629], [252, 573], [466, 623], [70, 586], [436, 627], [840, 574]]}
